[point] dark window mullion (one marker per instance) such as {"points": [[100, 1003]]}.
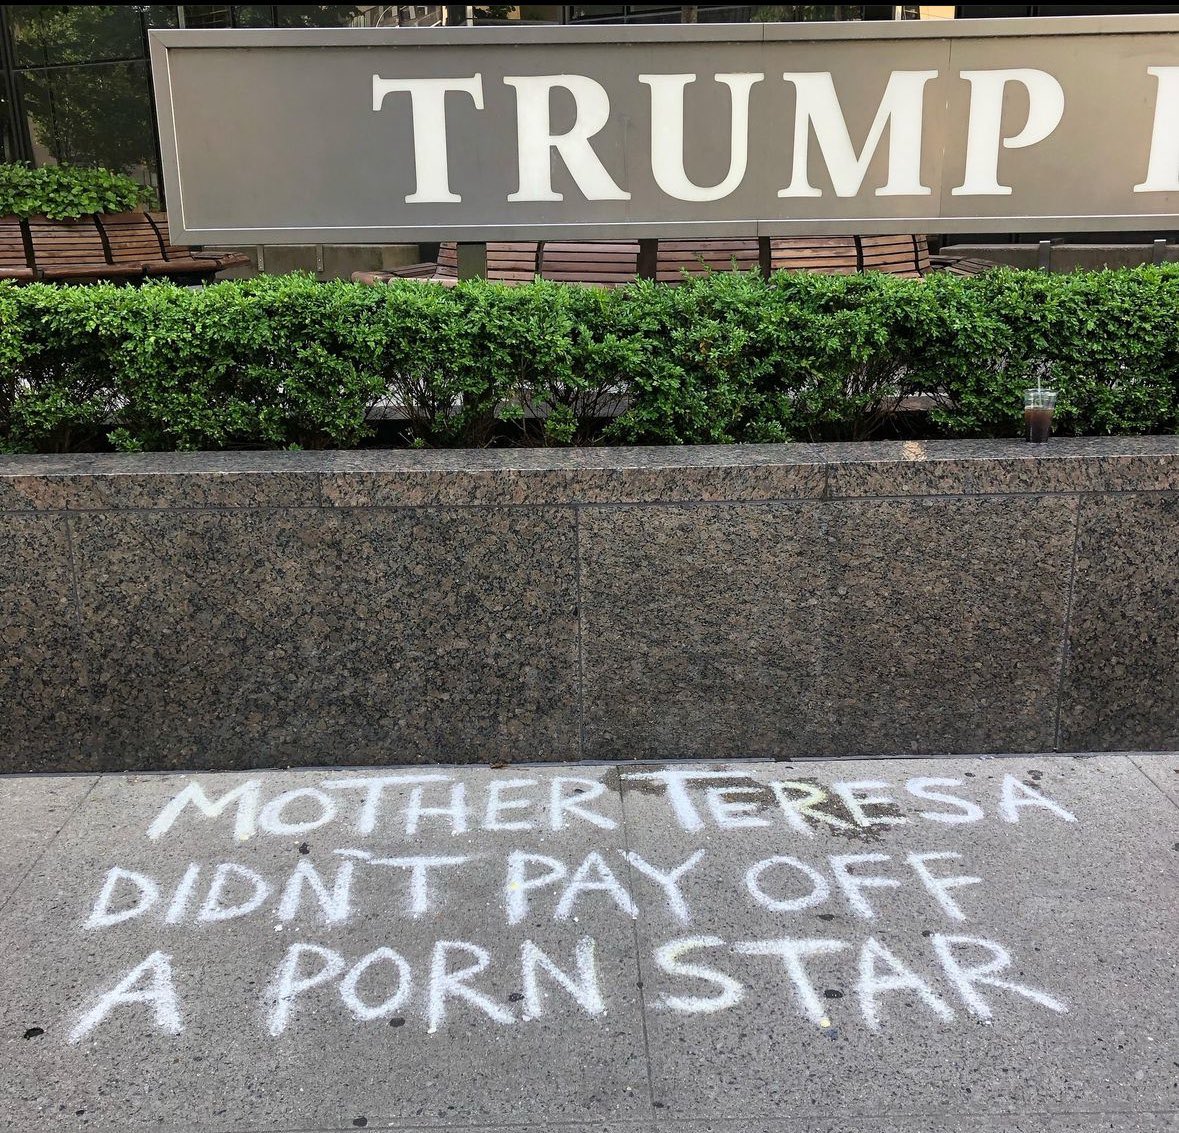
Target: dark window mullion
{"points": [[151, 102], [18, 123]]}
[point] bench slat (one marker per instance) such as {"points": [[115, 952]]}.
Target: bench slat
{"points": [[615, 262]]}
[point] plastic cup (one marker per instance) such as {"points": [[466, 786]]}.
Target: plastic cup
{"points": [[1038, 406]]}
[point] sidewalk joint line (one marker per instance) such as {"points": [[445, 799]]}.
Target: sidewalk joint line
{"points": [[1149, 778], [640, 986], [48, 845], [744, 1122]]}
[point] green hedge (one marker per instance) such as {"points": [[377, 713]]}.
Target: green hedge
{"points": [[284, 361], [64, 192]]}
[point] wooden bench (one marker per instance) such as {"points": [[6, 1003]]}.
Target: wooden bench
{"points": [[447, 265], [72, 249], [896, 255], [828, 255], [961, 265], [14, 255], [121, 247], [133, 242], [507, 262], [601, 263], [512, 262], [610, 263], [676, 259], [198, 263]]}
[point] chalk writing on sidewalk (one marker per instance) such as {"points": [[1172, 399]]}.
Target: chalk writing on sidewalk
{"points": [[550, 904]]}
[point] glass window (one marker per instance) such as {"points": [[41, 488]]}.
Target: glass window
{"points": [[397, 16], [161, 15], [578, 12], [711, 14], [988, 11], [724, 13], [253, 15], [809, 13], [421, 15], [48, 34], [206, 15], [8, 150], [98, 115], [318, 15], [493, 14]]}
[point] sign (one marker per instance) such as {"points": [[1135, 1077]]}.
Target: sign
{"points": [[670, 131]]}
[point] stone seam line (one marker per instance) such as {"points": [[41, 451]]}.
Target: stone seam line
{"points": [[1065, 643]]}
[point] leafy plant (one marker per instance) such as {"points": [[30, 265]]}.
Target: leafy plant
{"points": [[282, 361], [65, 192]]}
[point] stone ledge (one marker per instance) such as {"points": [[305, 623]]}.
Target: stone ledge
{"points": [[547, 477], [1002, 467]]}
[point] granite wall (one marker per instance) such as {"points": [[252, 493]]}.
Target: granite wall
{"points": [[273, 609]]}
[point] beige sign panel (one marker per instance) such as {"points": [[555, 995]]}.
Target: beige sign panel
{"points": [[539, 133]]}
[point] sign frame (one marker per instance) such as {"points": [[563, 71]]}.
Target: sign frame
{"points": [[165, 44]]}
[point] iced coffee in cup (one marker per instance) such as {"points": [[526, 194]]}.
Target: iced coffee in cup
{"points": [[1038, 406]]}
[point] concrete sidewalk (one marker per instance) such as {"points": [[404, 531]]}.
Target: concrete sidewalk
{"points": [[901, 946]]}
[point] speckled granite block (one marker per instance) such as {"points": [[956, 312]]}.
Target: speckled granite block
{"points": [[1065, 464], [945, 623], [44, 704], [264, 608], [238, 639], [558, 476], [865, 627], [1121, 689], [106, 481], [701, 630]]}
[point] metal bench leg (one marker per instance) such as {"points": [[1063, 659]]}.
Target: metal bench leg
{"points": [[472, 261]]}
